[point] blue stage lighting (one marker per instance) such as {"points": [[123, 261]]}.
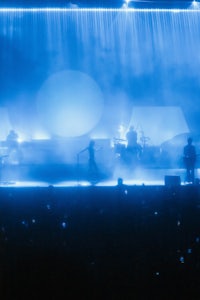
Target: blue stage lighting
{"points": [[70, 103]]}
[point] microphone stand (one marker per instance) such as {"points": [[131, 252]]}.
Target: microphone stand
{"points": [[78, 168]]}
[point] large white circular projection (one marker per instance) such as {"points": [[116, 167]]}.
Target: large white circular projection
{"points": [[69, 104]]}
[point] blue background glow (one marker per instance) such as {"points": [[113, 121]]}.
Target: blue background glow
{"points": [[134, 58]]}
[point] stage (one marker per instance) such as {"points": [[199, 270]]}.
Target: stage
{"points": [[69, 176]]}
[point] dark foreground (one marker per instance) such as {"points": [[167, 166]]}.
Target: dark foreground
{"points": [[100, 243]]}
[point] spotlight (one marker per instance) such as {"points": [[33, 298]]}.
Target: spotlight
{"points": [[194, 5], [125, 4], [72, 5]]}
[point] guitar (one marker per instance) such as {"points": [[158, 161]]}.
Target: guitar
{"points": [[3, 156], [190, 159]]}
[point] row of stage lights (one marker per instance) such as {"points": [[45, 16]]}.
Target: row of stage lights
{"points": [[131, 4], [100, 5], [192, 8]]}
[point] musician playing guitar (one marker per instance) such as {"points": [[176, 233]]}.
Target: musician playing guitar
{"points": [[189, 152]]}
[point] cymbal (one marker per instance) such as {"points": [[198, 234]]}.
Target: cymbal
{"points": [[122, 140]]}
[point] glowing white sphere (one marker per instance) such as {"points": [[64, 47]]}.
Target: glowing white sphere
{"points": [[69, 104]]}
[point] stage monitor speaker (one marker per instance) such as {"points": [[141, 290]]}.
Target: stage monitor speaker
{"points": [[172, 181]]}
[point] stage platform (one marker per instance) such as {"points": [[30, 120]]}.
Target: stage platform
{"points": [[64, 175]]}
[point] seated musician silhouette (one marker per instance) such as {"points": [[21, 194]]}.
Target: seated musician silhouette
{"points": [[131, 138], [133, 148], [12, 139], [189, 153], [13, 147]]}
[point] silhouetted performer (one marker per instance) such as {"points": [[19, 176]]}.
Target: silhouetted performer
{"points": [[133, 148], [189, 153], [13, 147], [12, 140], [92, 166], [131, 137]]}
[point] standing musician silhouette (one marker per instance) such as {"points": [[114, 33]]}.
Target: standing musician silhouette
{"points": [[189, 152], [93, 171]]}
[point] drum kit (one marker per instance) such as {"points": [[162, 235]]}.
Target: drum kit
{"points": [[144, 152], [119, 146]]}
